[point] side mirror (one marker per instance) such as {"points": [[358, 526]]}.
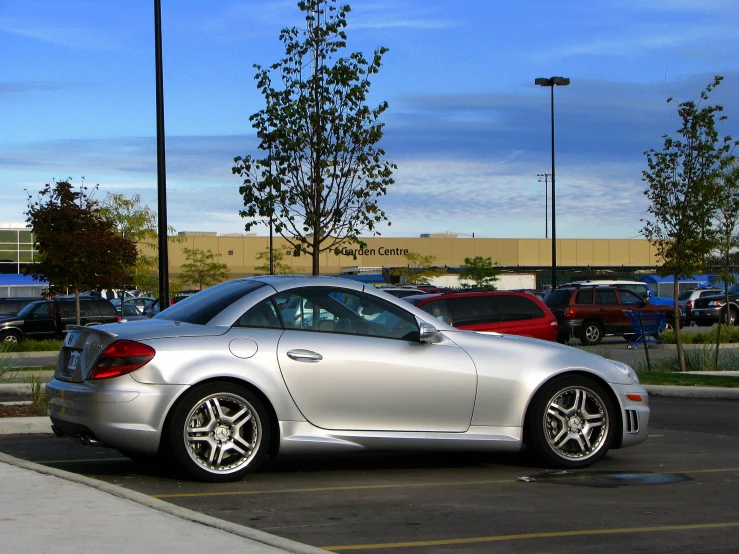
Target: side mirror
{"points": [[429, 333]]}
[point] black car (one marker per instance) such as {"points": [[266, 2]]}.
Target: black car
{"points": [[11, 306], [48, 319], [708, 309]]}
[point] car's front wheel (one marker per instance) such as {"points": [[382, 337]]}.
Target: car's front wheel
{"points": [[571, 422], [219, 432]]}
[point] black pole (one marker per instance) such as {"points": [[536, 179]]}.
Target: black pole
{"points": [[161, 165], [554, 221], [546, 206], [271, 215]]}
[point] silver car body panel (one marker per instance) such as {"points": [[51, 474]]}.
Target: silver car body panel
{"points": [[466, 391]]}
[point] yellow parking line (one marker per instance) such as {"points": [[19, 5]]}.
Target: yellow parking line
{"points": [[394, 486], [523, 536]]}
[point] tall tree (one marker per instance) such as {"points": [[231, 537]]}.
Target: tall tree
{"points": [[683, 187], [322, 171], [201, 268], [138, 223], [79, 247], [727, 225], [482, 273]]}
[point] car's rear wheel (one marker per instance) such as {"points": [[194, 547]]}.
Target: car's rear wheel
{"points": [[13, 337], [592, 333], [571, 422], [219, 432]]}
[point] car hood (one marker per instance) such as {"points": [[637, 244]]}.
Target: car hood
{"points": [[9, 319], [555, 357], [159, 329]]}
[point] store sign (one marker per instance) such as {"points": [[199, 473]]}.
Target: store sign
{"points": [[381, 251]]}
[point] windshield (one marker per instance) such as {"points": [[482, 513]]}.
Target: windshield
{"points": [[29, 308]]}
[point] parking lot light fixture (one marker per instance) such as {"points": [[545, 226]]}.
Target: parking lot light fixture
{"points": [[551, 83]]}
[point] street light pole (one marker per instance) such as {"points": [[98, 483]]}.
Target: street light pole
{"points": [[161, 165], [545, 176], [551, 83]]}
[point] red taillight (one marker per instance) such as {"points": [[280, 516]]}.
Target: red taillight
{"points": [[117, 318], [569, 312], [121, 357], [689, 305]]}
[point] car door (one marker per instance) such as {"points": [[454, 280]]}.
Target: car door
{"points": [[610, 312], [476, 313], [365, 369], [40, 322]]}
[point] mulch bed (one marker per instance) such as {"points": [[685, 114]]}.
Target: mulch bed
{"points": [[23, 410]]}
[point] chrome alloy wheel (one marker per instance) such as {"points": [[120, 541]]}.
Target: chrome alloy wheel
{"points": [[222, 433], [576, 423], [592, 333]]}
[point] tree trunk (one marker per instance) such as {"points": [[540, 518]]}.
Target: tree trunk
{"points": [[678, 337], [77, 304]]}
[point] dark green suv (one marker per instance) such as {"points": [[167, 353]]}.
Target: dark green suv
{"points": [[48, 319]]}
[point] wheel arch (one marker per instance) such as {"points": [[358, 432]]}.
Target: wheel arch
{"points": [[274, 439], [618, 436], [13, 331]]}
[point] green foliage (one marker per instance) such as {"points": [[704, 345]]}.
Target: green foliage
{"points": [[699, 358], [31, 345], [480, 271], [686, 379], [683, 186], [278, 267], [420, 269], [79, 247], [201, 268], [322, 172], [728, 335]]}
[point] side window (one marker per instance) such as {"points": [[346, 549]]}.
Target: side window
{"points": [[45, 309], [584, 297], [438, 309], [66, 309], [515, 308], [472, 310], [330, 310], [263, 314], [606, 297], [107, 309], [629, 298]]}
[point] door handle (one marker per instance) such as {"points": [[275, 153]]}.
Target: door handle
{"points": [[300, 355]]}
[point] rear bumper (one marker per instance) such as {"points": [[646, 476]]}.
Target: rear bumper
{"points": [[568, 328], [120, 412]]}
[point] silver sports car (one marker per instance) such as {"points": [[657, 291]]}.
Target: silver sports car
{"points": [[294, 364]]}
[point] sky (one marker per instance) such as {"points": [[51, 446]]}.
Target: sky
{"points": [[466, 126]]}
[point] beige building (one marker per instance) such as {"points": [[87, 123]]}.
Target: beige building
{"points": [[239, 252]]}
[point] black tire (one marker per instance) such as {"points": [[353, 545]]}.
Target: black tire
{"points": [[10, 336], [580, 402], [234, 436], [591, 333]]}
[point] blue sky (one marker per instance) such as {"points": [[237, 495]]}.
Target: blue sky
{"points": [[466, 126]]}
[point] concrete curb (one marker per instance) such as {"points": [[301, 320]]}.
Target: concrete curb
{"points": [[161, 506], [22, 355], [693, 392], [25, 426]]}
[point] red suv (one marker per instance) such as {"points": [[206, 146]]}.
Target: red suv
{"points": [[513, 313]]}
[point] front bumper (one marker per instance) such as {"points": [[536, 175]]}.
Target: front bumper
{"points": [[119, 412], [634, 414]]}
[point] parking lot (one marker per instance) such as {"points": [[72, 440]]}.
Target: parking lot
{"points": [[675, 493]]}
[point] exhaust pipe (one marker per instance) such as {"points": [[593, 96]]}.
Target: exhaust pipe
{"points": [[87, 440]]}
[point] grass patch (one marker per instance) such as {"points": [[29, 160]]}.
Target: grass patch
{"points": [[29, 345], [697, 359], [686, 379]]}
